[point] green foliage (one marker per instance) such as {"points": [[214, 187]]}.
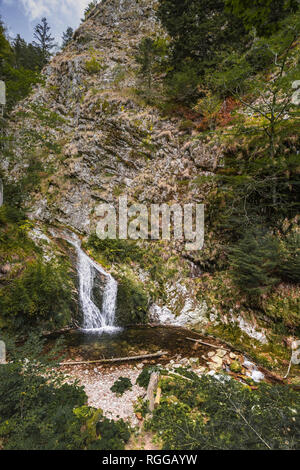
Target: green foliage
{"points": [[122, 385], [151, 56], [282, 307], [67, 37], [261, 261], [132, 302], [259, 183], [121, 251], [144, 377], [195, 415], [20, 64], [40, 297], [90, 8], [19, 83], [38, 411], [195, 45], [44, 41], [289, 266], [93, 66], [254, 261], [182, 85], [264, 15]]}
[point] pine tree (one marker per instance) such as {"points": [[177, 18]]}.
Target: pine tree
{"points": [[254, 261], [264, 15], [44, 40], [67, 37], [89, 9], [150, 56], [199, 29]]}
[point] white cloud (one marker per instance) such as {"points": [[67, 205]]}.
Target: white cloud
{"points": [[71, 9], [59, 13]]}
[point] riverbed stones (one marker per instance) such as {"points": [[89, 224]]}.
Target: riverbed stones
{"points": [[217, 360], [221, 353]]}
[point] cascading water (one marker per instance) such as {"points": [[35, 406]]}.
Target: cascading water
{"points": [[94, 320]]}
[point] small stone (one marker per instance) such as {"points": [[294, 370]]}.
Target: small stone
{"points": [[212, 373], [212, 366], [5, 269], [140, 366], [211, 354], [221, 353], [232, 355], [217, 360]]}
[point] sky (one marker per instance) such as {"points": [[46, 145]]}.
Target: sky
{"points": [[20, 16]]}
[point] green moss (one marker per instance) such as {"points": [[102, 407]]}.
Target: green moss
{"points": [[283, 308], [132, 302], [236, 367]]}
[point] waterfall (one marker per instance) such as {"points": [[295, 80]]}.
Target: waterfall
{"points": [[94, 319]]}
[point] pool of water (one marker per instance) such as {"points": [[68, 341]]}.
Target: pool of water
{"points": [[134, 341]]}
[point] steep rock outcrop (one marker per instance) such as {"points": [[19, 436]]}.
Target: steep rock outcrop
{"points": [[108, 143]]}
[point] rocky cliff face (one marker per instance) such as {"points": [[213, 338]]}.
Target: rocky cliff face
{"points": [[94, 140], [108, 143]]}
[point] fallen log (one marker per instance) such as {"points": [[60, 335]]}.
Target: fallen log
{"points": [[115, 359], [181, 376], [207, 344]]}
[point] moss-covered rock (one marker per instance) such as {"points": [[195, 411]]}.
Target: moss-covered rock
{"points": [[132, 303]]}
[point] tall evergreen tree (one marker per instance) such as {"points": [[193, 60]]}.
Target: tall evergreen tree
{"points": [[26, 55], [67, 37], [44, 40], [263, 15], [199, 30]]}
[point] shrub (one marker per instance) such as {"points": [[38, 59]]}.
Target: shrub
{"points": [[132, 303], [93, 66], [116, 251], [40, 412], [144, 377], [122, 385], [194, 415], [289, 266], [254, 261], [182, 85], [40, 297]]}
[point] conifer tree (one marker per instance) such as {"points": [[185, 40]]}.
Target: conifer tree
{"points": [[44, 40], [67, 37]]}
